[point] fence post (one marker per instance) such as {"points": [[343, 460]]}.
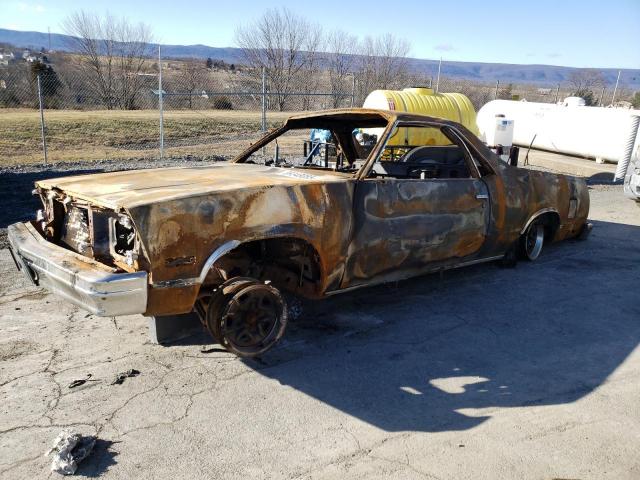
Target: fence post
{"points": [[160, 104], [264, 100], [42, 126], [353, 89], [495, 93]]}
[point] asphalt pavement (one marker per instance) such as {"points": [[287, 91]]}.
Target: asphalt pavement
{"points": [[485, 373]]}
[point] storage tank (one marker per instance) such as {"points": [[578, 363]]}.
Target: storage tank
{"points": [[592, 132], [424, 101]]}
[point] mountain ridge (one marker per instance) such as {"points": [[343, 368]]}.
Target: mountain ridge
{"points": [[538, 74]]}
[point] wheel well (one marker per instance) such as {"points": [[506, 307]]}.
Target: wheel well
{"points": [[289, 263], [551, 222]]}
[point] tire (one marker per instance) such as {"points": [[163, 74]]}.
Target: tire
{"points": [[218, 300], [584, 231], [532, 241], [253, 319], [510, 259]]}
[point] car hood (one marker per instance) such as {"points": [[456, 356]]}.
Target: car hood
{"points": [[133, 188]]}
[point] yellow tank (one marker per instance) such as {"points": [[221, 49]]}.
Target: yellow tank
{"points": [[424, 101]]}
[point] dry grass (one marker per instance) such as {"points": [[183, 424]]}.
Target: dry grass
{"points": [[104, 134]]}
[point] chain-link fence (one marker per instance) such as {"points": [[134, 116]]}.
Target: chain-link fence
{"points": [[208, 111]]}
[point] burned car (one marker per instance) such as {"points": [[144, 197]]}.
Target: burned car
{"points": [[226, 240]]}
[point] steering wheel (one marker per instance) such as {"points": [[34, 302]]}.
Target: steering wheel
{"points": [[431, 171]]}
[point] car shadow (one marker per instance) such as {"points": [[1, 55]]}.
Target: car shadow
{"points": [[434, 354]]}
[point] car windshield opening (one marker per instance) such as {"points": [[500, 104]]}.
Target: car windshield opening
{"points": [[322, 144]]}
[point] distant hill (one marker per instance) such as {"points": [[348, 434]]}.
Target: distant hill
{"points": [[480, 72]]}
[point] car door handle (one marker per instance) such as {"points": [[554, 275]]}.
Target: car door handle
{"points": [[482, 196]]}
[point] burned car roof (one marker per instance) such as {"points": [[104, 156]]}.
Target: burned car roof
{"points": [[365, 117]]}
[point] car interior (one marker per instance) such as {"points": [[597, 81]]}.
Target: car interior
{"points": [[410, 152], [423, 153], [437, 161]]}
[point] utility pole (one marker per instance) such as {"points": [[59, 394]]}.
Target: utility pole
{"points": [[495, 94], [557, 93], [615, 89], [438, 78]]}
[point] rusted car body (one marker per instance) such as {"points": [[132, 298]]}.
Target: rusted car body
{"points": [[162, 242]]}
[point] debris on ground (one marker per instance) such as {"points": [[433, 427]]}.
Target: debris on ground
{"points": [[121, 377], [69, 449], [81, 381]]}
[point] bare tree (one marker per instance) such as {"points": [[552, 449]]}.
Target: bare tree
{"points": [[112, 52], [340, 63], [392, 64], [586, 79], [309, 77], [383, 63], [586, 83], [276, 42], [192, 78]]}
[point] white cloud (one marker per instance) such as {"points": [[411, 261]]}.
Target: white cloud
{"points": [[445, 47], [29, 7]]}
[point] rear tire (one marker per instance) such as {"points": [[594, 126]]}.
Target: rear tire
{"points": [[510, 259], [532, 241]]}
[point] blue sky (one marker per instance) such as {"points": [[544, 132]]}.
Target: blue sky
{"points": [[573, 33]]}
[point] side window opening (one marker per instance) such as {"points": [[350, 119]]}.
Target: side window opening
{"points": [[474, 157], [424, 152]]}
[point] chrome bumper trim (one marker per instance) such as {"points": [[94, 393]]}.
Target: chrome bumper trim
{"points": [[82, 281]]}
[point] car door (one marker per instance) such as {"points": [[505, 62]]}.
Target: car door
{"points": [[403, 226]]}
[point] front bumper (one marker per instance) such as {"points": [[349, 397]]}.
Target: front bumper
{"points": [[80, 280]]}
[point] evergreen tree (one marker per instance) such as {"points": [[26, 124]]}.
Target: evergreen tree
{"points": [[49, 81]]}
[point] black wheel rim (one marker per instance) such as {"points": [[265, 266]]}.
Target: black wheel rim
{"points": [[218, 300], [252, 319]]}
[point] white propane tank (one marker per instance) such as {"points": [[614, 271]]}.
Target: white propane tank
{"points": [[592, 132]]}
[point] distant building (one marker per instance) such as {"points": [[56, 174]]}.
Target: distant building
{"points": [[6, 58], [545, 91], [30, 57]]}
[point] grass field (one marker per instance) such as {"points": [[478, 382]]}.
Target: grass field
{"points": [[108, 134]]}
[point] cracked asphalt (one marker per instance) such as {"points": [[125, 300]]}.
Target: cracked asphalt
{"points": [[485, 373]]}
